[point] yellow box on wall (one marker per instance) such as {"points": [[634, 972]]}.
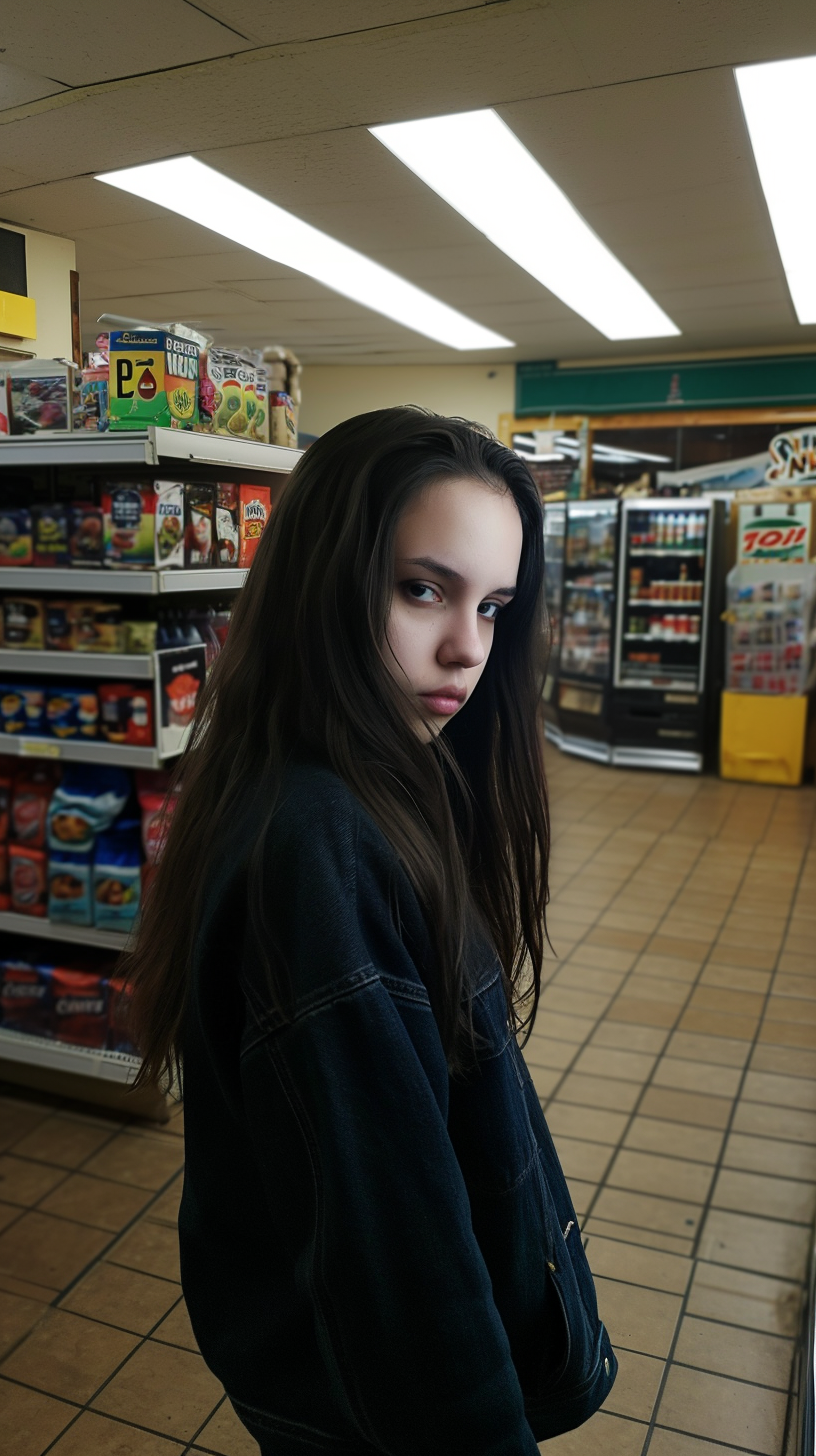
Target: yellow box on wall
{"points": [[762, 738], [18, 316]]}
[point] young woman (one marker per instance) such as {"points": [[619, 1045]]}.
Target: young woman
{"points": [[379, 1253]]}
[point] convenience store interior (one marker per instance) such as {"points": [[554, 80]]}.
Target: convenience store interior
{"points": [[674, 1052]]}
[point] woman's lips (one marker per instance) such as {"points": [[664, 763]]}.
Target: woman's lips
{"points": [[442, 705]]}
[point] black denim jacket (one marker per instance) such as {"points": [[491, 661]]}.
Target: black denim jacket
{"points": [[376, 1257]]}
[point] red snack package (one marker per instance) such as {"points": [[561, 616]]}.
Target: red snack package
{"points": [[79, 1007], [119, 1031], [254, 510], [29, 881], [5, 896], [30, 796], [24, 1000], [126, 713]]}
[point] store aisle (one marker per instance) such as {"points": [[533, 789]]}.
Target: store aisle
{"points": [[675, 1054]]}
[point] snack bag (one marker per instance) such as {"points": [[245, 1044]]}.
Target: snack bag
{"points": [[31, 794], [16, 539], [50, 532], [58, 627], [96, 626], [199, 513], [25, 1000], [22, 710], [226, 524], [27, 874], [126, 713], [254, 510], [169, 527], [129, 512], [117, 876], [86, 538], [24, 622], [72, 713], [69, 888], [7, 772], [79, 1001], [86, 802], [157, 811]]}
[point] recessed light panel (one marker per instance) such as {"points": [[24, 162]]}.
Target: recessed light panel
{"points": [[195, 191], [778, 102], [474, 161]]}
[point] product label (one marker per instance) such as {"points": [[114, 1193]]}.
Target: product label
{"points": [[774, 533]]}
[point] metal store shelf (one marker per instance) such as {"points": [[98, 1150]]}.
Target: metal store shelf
{"points": [[79, 664], [60, 1056], [43, 929], [145, 447], [119, 583], [89, 750]]}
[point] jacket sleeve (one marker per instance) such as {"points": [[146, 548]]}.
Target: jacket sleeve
{"points": [[385, 1252]]}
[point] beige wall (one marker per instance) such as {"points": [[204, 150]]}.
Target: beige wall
{"points": [[334, 392], [49, 262]]}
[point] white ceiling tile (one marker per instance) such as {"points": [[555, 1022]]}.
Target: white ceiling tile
{"points": [[103, 40], [18, 86]]}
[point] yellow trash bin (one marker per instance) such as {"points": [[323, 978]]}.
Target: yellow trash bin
{"points": [[762, 738]]}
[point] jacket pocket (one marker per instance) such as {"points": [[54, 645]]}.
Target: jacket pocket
{"points": [[570, 1281]]}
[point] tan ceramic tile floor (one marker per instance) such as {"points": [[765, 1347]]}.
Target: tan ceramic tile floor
{"points": [[675, 1056]]}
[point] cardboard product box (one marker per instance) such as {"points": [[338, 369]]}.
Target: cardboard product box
{"points": [[199, 524], [43, 395], [129, 516], [51, 531], [16, 536], [24, 622], [153, 380]]}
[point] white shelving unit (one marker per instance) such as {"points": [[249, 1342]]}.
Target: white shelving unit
{"points": [[41, 928], [104, 1076], [79, 664], [99, 580], [75, 750]]}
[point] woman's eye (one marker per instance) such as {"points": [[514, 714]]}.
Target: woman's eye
{"points": [[422, 593], [489, 610]]}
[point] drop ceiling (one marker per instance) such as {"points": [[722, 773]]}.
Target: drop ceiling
{"points": [[631, 106]]}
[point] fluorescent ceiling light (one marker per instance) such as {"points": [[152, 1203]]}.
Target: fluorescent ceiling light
{"points": [[537, 459], [777, 99], [465, 157], [193, 190]]}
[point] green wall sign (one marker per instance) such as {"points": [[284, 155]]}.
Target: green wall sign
{"points": [[543, 388]]}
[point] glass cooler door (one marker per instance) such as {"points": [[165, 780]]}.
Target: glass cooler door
{"points": [[555, 518], [589, 590], [664, 589]]}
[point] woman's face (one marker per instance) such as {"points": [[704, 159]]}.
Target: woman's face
{"points": [[456, 558]]}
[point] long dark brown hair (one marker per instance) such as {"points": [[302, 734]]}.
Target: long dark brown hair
{"points": [[304, 665]]}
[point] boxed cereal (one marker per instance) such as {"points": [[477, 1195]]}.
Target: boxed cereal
{"points": [[153, 380], [129, 516]]}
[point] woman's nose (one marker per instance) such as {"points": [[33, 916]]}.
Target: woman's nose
{"points": [[463, 645]]}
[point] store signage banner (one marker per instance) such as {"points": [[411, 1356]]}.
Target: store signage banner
{"points": [[793, 458], [775, 532], [180, 676]]}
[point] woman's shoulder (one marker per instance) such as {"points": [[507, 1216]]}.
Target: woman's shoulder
{"points": [[316, 812]]}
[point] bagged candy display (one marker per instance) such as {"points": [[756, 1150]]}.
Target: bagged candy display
{"points": [[117, 876], [27, 877], [86, 802], [69, 888]]}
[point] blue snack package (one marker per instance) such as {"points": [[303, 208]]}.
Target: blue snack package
{"points": [[12, 709], [85, 804], [117, 876], [72, 712], [69, 888]]}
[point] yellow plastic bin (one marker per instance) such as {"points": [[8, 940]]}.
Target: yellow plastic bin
{"points": [[762, 738]]}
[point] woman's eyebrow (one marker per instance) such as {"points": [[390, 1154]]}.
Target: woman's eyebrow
{"points": [[451, 575]]}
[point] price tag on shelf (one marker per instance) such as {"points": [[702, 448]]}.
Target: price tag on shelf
{"points": [[39, 748]]}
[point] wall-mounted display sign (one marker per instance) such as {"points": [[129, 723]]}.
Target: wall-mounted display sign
{"points": [[774, 532], [793, 458]]}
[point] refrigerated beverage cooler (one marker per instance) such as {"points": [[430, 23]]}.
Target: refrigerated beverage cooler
{"points": [[668, 653], [582, 720], [555, 520]]}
